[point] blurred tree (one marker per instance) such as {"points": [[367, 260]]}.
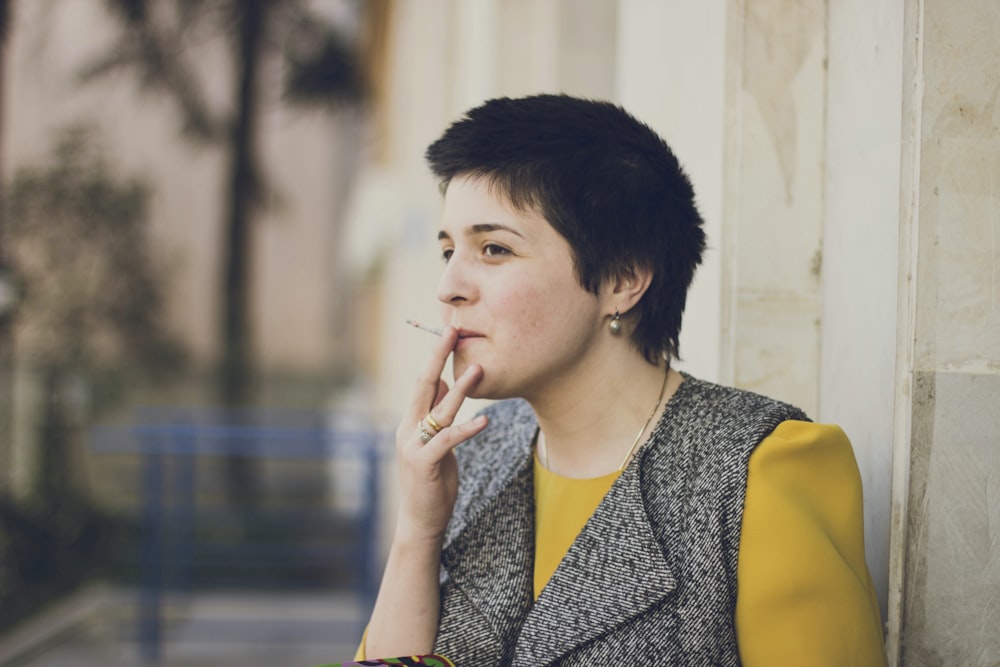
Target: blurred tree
{"points": [[89, 323], [163, 43], [90, 316]]}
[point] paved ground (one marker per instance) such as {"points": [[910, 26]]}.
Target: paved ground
{"points": [[97, 628]]}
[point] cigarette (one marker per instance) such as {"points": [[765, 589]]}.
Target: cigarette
{"points": [[433, 330]]}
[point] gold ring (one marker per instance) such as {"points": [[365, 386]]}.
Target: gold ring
{"points": [[432, 422], [425, 435]]}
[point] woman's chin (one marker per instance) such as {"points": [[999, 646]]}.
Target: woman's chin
{"points": [[492, 392], [487, 388]]}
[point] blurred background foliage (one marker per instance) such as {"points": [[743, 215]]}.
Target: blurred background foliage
{"points": [[89, 323]]}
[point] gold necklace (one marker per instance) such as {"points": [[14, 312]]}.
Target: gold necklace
{"points": [[663, 388]]}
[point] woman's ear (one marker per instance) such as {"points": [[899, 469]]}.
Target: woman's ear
{"points": [[628, 286], [631, 284]]}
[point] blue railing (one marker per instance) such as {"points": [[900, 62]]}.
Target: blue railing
{"points": [[191, 534]]}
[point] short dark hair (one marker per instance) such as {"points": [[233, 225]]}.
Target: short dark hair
{"points": [[604, 180]]}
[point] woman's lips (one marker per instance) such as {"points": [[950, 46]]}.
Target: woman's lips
{"points": [[464, 337]]}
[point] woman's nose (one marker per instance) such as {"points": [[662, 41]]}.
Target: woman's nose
{"points": [[456, 284]]}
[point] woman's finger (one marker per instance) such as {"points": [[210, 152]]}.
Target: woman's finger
{"points": [[429, 381], [441, 391], [438, 424], [441, 444], [446, 407], [441, 416]]}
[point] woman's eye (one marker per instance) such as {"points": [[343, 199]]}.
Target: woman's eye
{"points": [[446, 254], [493, 250]]}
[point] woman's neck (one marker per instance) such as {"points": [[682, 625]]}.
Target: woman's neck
{"points": [[588, 426]]}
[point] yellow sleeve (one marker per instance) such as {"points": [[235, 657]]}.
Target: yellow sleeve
{"points": [[805, 596]]}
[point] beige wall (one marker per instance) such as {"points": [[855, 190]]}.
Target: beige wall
{"points": [[684, 100], [774, 215]]}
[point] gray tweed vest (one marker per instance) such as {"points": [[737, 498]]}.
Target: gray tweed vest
{"points": [[651, 579]]}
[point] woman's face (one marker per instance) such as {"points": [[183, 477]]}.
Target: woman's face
{"points": [[510, 289]]}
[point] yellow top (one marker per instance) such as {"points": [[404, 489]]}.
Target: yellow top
{"points": [[805, 596], [562, 506]]}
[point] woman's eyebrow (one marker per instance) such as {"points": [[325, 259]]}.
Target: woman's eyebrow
{"points": [[482, 228]]}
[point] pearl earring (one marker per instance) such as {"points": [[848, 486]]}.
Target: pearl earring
{"points": [[615, 325]]}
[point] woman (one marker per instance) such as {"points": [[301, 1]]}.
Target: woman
{"points": [[607, 509]]}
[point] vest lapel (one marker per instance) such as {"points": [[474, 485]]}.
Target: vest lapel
{"points": [[491, 562], [614, 571]]}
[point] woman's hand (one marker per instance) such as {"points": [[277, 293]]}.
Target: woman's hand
{"points": [[428, 470], [428, 476]]}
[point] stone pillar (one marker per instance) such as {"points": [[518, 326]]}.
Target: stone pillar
{"points": [[945, 579]]}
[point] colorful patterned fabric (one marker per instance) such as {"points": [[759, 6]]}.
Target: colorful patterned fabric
{"points": [[406, 661]]}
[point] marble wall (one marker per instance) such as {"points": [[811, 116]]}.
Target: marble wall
{"points": [[948, 572]]}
